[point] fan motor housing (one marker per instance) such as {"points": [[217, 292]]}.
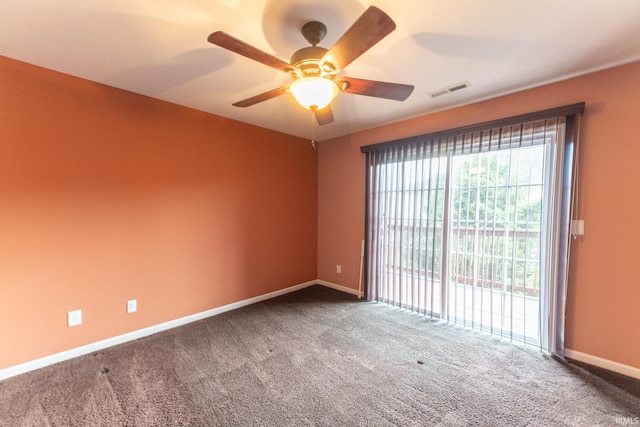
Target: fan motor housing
{"points": [[308, 59]]}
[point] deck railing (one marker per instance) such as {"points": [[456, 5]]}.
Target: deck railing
{"points": [[498, 258]]}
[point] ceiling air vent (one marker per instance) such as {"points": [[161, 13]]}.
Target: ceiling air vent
{"points": [[452, 88]]}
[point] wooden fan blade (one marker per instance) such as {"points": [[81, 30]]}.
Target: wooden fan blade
{"points": [[324, 116], [262, 97], [395, 91], [231, 43], [372, 26]]}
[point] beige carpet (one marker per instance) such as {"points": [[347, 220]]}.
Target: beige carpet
{"points": [[315, 357]]}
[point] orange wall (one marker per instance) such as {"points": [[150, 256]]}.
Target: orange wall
{"points": [[603, 308], [107, 196]]}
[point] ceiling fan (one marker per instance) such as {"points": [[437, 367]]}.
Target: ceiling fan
{"points": [[315, 69]]}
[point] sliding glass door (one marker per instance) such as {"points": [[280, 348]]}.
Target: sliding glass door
{"points": [[410, 233], [494, 240], [465, 228]]}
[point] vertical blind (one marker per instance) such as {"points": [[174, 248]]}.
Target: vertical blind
{"points": [[471, 225]]}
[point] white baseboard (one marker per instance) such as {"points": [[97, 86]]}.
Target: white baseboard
{"points": [[339, 288], [141, 333], [609, 365]]}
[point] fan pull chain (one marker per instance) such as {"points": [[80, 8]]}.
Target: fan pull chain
{"points": [[313, 130]]}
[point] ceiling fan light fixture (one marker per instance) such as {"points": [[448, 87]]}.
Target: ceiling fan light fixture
{"points": [[314, 93]]}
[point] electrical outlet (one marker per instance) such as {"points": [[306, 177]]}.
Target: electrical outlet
{"points": [[339, 269], [132, 306], [74, 318]]}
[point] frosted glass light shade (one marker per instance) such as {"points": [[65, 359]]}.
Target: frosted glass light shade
{"points": [[314, 93]]}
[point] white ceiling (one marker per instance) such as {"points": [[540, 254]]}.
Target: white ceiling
{"points": [[159, 48]]}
